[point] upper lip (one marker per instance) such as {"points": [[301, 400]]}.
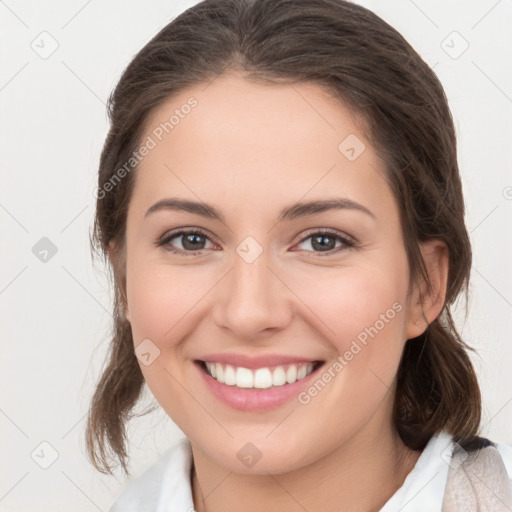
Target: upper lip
{"points": [[253, 362]]}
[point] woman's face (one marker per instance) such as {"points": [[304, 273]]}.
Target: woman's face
{"points": [[260, 289]]}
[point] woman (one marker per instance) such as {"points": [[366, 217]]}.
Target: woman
{"points": [[280, 200]]}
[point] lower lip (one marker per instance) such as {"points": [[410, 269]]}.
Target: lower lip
{"points": [[255, 399]]}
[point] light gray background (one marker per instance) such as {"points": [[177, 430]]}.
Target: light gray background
{"points": [[55, 315]]}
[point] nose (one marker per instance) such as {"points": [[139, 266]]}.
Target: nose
{"points": [[252, 300]]}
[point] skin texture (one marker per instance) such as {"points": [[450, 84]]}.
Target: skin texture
{"points": [[250, 150]]}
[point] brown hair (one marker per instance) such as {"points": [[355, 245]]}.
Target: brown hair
{"points": [[368, 66]]}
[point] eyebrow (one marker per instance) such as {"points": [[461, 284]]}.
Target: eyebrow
{"points": [[288, 213]]}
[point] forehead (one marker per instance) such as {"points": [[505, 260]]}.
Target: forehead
{"points": [[233, 112], [236, 137]]}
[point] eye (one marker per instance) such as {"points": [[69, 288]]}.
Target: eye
{"points": [[325, 241], [192, 242]]}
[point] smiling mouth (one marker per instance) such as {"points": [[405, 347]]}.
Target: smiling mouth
{"points": [[260, 378]]}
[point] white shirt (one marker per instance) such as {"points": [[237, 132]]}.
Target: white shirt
{"points": [[165, 485]]}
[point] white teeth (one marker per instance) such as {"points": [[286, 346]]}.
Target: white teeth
{"points": [[291, 374], [278, 377], [244, 378], [211, 369], [229, 376], [261, 378], [220, 372]]}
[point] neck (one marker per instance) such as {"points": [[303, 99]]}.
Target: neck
{"points": [[358, 476]]}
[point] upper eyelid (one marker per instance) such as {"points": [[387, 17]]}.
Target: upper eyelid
{"points": [[184, 231], [327, 231]]}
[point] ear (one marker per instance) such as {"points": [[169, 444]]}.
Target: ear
{"points": [[112, 256], [426, 305]]}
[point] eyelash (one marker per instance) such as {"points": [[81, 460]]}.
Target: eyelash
{"points": [[347, 243]]}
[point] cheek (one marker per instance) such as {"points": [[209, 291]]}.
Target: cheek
{"points": [[353, 299], [362, 314], [373, 309], [161, 298]]}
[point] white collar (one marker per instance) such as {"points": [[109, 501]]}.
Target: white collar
{"points": [[423, 488], [163, 487]]}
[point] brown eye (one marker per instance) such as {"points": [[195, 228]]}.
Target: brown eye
{"points": [[192, 241], [325, 242]]}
